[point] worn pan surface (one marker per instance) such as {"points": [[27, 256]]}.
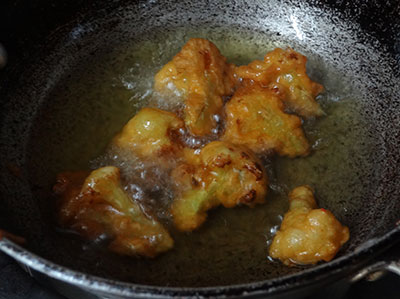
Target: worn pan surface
{"points": [[46, 128]]}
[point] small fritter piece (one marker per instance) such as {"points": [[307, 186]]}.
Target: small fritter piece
{"points": [[152, 133], [255, 118], [96, 205], [286, 70], [222, 173], [200, 75], [307, 234]]}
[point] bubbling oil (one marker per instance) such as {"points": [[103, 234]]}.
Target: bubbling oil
{"points": [[232, 246]]}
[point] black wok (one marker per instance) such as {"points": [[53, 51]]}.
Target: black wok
{"points": [[47, 41]]}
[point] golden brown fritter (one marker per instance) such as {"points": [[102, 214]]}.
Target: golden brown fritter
{"points": [[200, 75], [222, 173], [255, 118], [152, 133], [285, 70], [307, 234], [96, 205]]}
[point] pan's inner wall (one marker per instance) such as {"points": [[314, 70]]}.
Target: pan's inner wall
{"points": [[97, 75]]}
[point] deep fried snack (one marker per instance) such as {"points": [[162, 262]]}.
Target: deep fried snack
{"points": [[152, 133], [16, 239], [285, 70], [222, 173], [201, 76], [307, 234], [96, 205], [255, 118]]}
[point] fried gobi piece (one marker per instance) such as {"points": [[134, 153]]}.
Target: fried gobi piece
{"points": [[307, 234], [152, 133], [222, 174], [96, 205], [200, 75], [255, 118], [285, 70]]}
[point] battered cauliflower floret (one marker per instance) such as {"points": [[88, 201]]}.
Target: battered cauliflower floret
{"points": [[95, 205], [152, 133], [286, 70], [222, 174], [307, 234], [200, 76], [255, 118]]}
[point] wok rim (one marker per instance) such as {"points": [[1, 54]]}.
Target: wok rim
{"points": [[301, 279]]}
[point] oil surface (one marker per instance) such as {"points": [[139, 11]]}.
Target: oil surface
{"points": [[98, 97]]}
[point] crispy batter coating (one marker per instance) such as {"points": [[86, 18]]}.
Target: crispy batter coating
{"points": [[95, 205], [152, 133], [255, 118], [286, 70], [222, 173], [201, 76], [307, 234]]}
